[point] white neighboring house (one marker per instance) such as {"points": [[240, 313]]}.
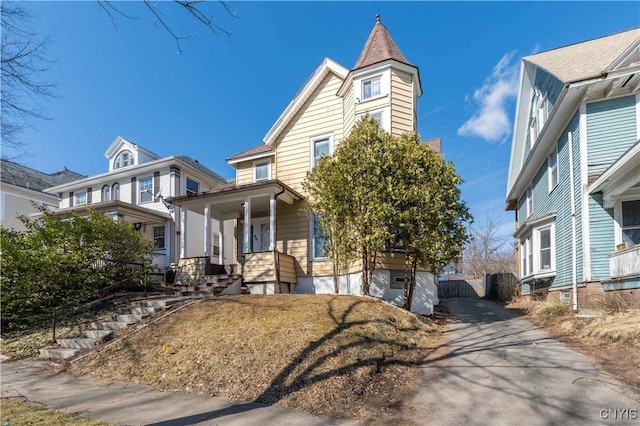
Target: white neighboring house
{"points": [[134, 190], [22, 186]]}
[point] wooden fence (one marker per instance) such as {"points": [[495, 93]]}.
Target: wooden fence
{"points": [[461, 288], [503, 286]]}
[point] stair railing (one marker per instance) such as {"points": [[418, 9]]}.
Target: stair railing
{"points": [[54, 315]]}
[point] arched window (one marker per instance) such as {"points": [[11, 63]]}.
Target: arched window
{"points": [[124, 159], [115, 191], [104, 193]]}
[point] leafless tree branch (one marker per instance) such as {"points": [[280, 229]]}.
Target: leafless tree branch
{"points": [[195, 9], [23, 63]]}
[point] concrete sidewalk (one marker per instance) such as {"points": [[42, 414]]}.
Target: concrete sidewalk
{"points": [[131, 404]]}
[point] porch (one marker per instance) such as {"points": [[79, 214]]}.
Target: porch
{"points": [[262, 267]]}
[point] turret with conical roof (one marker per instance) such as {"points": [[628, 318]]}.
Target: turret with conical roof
{"points": [[383, 84]]}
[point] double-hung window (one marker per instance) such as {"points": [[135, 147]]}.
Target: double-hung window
{"points": [[631, 222], [545, 249], [371, 88], [158, 236], [146, 189], [81, 198], [261, 170], [320, 146], [104, 193], [318, 239]]}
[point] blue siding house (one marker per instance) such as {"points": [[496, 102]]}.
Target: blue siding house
{"points": [[574, 173]]}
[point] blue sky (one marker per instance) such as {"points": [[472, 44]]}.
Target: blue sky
{"points": [[221, 96]]}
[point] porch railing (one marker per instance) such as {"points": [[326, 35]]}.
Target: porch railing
{"points": [[625, 263], [269, 267]]}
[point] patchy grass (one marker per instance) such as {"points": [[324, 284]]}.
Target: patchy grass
{"points": [[16, 413], [613, 338], [26, 345], [340, 356]]}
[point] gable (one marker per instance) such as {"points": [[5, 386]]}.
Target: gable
{"points": [[327, 66], [120, 145]]}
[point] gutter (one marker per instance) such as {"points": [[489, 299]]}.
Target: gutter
{"points": [[574, 254]]}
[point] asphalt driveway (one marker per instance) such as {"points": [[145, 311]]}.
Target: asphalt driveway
{"points": [[499, 369]]}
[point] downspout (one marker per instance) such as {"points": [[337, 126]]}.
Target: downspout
{"points": [[574, 268]]}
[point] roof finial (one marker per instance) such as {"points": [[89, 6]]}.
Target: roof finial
{"points": [[377, 17]]}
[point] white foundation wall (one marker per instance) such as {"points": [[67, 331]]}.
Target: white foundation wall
{"points": [[425, 294]]}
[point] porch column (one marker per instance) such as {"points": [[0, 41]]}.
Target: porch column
{"points": [[207, 231], [183, 232], [247, 225], [272, 221], [221, 241]]}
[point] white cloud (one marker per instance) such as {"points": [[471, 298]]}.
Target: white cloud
{"points": [[491, 121]]}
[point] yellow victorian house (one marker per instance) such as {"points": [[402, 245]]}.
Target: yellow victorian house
{"points": [[277, 247]]}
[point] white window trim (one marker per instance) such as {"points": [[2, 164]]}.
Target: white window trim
{"points": [[369, 80], [117, 158], [140, 191], [255, 169], [529, 200], [617, 214], [534, 236], [552, 185], [164, 236], [312, 240], [77, 201], [384, 74], [386, 117], [312, 142]]}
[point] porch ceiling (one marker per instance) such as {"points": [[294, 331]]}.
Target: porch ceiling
{"points": [[227, 203]]}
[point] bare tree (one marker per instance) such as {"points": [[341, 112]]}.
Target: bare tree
{"points": [[196, 9], [23, 84], [488, 251]]}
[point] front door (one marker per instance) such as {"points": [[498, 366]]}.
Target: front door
{"points": [[260, 231]]}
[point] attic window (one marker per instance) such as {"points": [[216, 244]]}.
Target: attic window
{"points": [[193, 187], [124, 159], [371, 88]]}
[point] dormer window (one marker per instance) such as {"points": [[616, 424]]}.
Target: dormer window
{"points": [[261, 170], [371, 88], [124, 159]]}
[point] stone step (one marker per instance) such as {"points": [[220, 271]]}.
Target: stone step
{"points": [[95, 334], [154, 303], [58, 353], [108, 325], [138, 310], [78, 343], [129, 318], [199, 293]]}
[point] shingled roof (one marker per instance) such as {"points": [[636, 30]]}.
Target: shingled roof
{"points": [[256, 150], [202, 168], [379, 47], [589, 59], [26, 177]]}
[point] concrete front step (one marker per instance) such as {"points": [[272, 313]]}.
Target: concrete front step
{"points": [[78, 343], [108, 325], [95, 334], [129, 318], [90, 338], [58, 353]]}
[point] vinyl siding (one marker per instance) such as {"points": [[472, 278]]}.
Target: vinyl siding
{"points": [[292, 229], [602, 237], [401, 103], [245, 173], [322, 114], [611, 130], [349, 110]]}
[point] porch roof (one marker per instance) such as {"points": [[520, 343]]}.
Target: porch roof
{"points": [[227, 202], [619, 177], [131, 212]]}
